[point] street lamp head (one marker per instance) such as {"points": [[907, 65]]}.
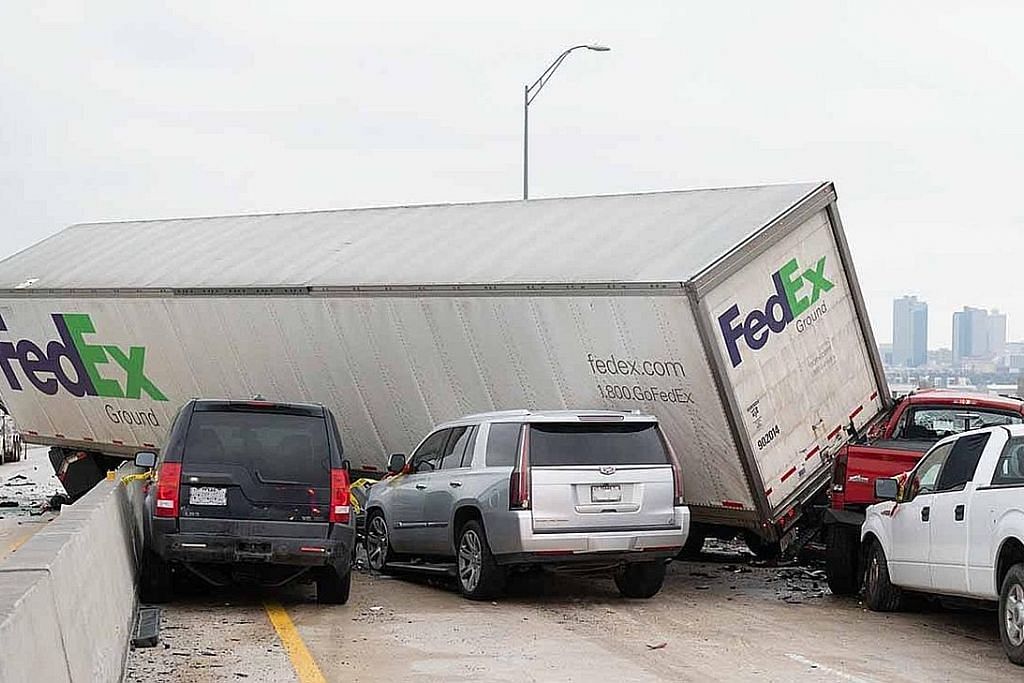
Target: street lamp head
{"points": [[597, 47]]}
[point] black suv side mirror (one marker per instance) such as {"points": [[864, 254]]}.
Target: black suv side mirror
{"points": [[145, 459], [887, 489], [396, 463]]}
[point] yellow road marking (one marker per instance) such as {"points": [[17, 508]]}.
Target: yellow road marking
{"points": [[303, 662], [18, 542]]}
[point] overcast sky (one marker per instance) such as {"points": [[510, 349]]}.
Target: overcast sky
{"points": [[914, 110]]}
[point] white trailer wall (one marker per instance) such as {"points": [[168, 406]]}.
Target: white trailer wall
{"points": [[393, 366]]}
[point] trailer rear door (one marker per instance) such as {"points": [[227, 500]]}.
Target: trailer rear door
{"points": [[794, 354]]}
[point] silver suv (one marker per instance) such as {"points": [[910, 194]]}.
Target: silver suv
{"points": [[592, 491]]}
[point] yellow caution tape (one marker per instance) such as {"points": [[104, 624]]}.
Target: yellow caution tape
{"points": [[359, 485], [145, 476]]}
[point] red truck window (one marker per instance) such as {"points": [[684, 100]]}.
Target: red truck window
{"points": [[931, 423]]}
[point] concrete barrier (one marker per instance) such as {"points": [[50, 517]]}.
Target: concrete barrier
{"points": [[67, 596]]}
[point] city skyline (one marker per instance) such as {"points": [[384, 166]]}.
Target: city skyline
{"points": [[990, 335]]}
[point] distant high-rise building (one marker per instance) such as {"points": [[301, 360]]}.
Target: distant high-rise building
{"points": [[996, 333], [909, 332], [971, 334]]}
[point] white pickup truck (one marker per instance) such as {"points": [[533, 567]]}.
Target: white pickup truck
{"points": [[954, 526]]}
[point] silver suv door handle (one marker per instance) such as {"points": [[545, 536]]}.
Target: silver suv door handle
{"points": [[421, 486], [455, 484]]}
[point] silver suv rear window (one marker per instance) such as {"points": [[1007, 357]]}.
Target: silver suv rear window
{"points": [[623, 443]]}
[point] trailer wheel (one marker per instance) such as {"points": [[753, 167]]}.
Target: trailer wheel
{"points": [[640, 580], [879, 593], [762, 549], [842, 560], [1011, 614]]}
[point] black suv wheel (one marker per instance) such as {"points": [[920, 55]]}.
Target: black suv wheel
{"points": [[155, 579], [333, 588]]}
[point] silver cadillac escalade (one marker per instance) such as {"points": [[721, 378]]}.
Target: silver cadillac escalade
{"points": [[481, 496]]}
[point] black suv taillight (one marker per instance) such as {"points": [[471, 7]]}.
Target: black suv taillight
{"points": [[341, 497], [519, 482], [168, 489]]}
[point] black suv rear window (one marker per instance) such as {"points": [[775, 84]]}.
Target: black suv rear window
{"points": [[275, 447], [629, 443]]}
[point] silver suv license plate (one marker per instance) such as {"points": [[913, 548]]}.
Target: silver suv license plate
{"points": [[207, 495], [606, 493]]}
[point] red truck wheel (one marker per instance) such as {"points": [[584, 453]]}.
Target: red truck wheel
{"points": [[842, 555]]}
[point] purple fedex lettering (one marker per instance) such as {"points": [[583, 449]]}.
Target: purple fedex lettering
{"points": [[46, 371], [754, 330]]}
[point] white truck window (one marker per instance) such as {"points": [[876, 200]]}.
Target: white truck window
{"points": [[1010, 468], [961, 463], [927, 474]]}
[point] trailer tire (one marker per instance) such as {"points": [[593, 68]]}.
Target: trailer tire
{"points": [[1011, 614], [842, 560], [156, 581], [333, 588], [879, 593], [640, 580], [762, 549]]}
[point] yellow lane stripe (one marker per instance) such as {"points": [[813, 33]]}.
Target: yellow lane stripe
{"points": [[305, 666], [18, 542]]}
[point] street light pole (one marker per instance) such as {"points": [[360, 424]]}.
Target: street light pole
{"points": [[526, 141], [530, 93]]}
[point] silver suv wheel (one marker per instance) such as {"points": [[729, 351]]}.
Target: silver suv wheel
{"points": [[377, 543], [470, 560]]}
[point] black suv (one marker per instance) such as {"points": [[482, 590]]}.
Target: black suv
{"points": [[249, 491]]}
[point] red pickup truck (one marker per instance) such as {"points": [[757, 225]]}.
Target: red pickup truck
{"points": [[890, 445]]}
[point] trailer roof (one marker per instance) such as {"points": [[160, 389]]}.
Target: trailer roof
{"points": [[648, 237]]}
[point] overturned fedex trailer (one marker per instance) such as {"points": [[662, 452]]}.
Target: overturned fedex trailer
{"points": [[734, 315]]}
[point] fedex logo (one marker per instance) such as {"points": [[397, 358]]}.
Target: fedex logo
{"points": [[783, 305], [75, 364]]}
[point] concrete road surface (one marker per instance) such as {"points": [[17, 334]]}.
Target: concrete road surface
{"points": [[716, 620], [25, 488]]}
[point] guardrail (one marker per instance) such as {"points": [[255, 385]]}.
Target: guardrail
{"points": [[67, 596]]}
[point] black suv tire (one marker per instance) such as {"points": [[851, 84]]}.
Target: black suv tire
{"points": [[333, 588], [473, 553], [879, 593], [156, 582], [842, 559], [640, 580]]}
